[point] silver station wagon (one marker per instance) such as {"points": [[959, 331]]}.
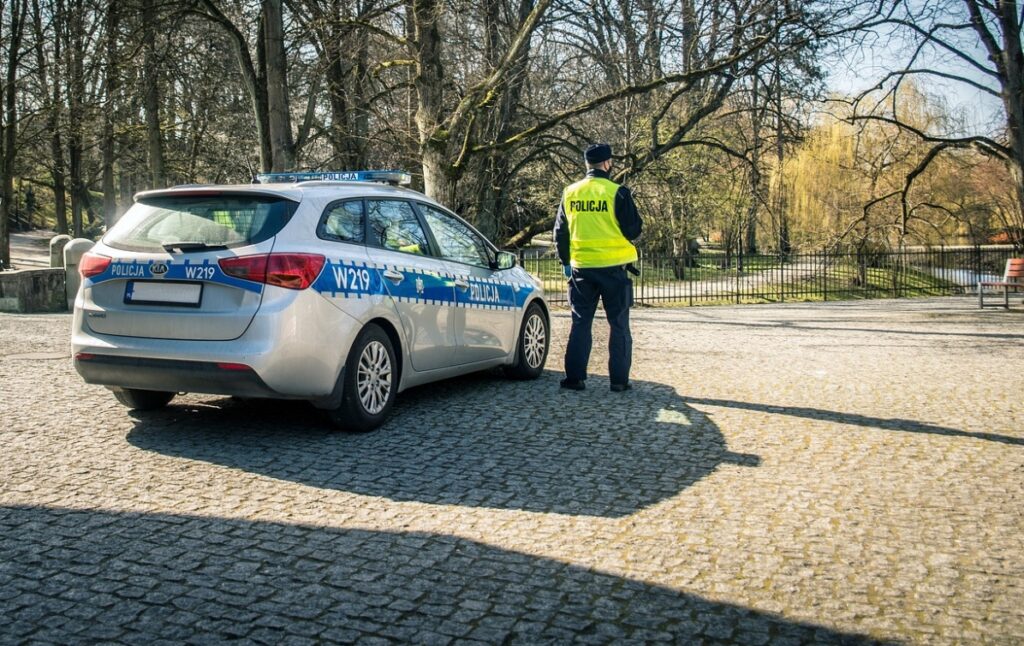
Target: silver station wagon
{"points": [[337, 288]]}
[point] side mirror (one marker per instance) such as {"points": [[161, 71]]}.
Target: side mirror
{"points": [[506, 260]]}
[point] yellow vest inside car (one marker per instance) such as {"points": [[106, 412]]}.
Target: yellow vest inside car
{"points": [[595, 239]]}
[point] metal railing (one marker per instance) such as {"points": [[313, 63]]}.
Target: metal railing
{"points": [[717, 278]]}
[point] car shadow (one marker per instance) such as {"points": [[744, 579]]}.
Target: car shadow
{"points": [[83, 576], [480, 440]]}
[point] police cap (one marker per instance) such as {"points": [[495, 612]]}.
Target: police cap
{"points": [[597, 153]]}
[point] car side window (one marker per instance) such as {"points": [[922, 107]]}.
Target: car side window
{"points": [[343, 222], [457, 241], [394, 225]]}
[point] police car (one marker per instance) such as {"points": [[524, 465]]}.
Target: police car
{"points": [[340, 288]]}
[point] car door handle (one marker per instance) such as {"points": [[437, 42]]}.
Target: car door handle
{"points": [[461, 284], [393, 275]]}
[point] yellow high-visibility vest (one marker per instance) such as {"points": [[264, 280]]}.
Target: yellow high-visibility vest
{"points": [[595, 239]]}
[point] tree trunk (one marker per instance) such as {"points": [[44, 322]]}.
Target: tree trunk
{"points": [[255, 83], [151, 84], [125, 186], [60, 189], [490, 174], [52, 105], [75, 158], [690, 32], [1012, 62], [5, 236], [750, 223], [9, 127], [360, 103], [344, 133], [109, 113], [1016, 233], [76, 100], [754, 174], [429, 83], [440, 179], [785, 247], [496, 168], [281, 143]]}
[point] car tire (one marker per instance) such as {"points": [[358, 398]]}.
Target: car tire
{"points": [[532, 345], [370, 382], [136, 399]]}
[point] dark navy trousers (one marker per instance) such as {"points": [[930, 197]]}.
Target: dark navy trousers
{"points": [[612, 286]]}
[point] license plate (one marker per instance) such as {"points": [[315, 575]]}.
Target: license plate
{"points": [[163, 292]]}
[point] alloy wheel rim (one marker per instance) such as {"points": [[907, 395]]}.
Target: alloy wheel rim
{"points": [[534, 341], [373, 377]]}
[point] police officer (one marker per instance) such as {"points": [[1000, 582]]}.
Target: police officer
{"points": [[596, 222]]}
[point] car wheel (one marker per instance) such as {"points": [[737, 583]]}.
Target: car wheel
{"points": [[136, 399], [370, 382], [532, 347]]}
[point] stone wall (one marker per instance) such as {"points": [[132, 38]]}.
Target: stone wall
{"points": [[33, 290]]}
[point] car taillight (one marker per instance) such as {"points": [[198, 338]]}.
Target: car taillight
{"points": [[92, 264], [289, 270], [252, 268], [293, 270]]}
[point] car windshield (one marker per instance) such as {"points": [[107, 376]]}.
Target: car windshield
{"points": [[199, 222]]}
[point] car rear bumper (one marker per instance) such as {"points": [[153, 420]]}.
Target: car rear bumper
{"points": [[295, 349], [171, 375]]}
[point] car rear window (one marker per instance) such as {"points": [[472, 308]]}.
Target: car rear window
{"points": [[192, 223]]}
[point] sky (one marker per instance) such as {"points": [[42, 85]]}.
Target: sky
{"points": [[854, 71]]}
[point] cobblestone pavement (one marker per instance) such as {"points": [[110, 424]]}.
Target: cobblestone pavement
{"points": [[784, 474]]}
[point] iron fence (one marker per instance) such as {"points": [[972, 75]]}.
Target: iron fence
{"points": [[718, 278]]}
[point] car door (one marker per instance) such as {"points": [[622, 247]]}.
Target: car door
{"points": [[484, 321], [417, 281]]}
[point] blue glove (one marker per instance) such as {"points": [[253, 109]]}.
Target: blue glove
{"points": [[567, 270]]}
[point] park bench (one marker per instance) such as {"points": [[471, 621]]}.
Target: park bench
{"points": [[1013, 278]]}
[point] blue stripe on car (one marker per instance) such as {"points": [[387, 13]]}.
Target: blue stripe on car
{"points": [[358, 280], [143, 270], [346, 279]]}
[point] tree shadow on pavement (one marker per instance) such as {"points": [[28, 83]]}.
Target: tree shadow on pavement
{"points": [[881, 423], [72, 576], [480, 441]]}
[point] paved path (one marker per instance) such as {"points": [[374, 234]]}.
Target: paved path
{"points": [[782, 473], [31, 250]]}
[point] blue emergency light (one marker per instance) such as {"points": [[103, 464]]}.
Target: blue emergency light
{"points": [[393, 177]]}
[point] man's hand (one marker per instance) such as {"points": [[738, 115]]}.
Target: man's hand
{"points": [[567, 270]]}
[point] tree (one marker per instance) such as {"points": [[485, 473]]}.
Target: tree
{"points": [[151, 87], [337, 30], [265, 81], [49, 71], [983, 39], [731, 54], [491, 100], [282, 145], [111, 82], [846, 183], [16, 14]]}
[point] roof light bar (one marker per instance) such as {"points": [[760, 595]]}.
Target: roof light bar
{"points": [[393, 177]]}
